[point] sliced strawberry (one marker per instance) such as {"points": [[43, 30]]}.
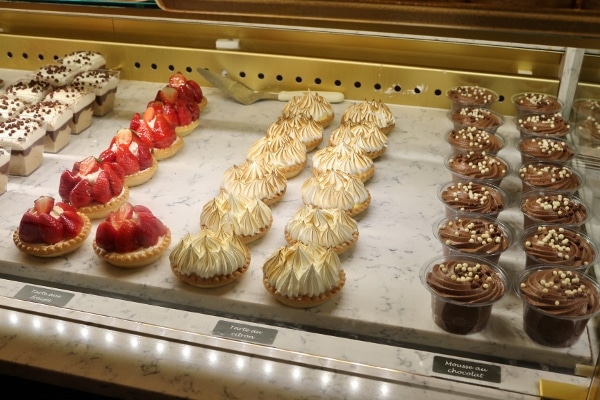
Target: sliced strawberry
{"points": [[65, 206], [81, 194], [193, 108], [177, 79], [148, 231], [71, 222], [51, 229], [149, 114], [125, 240], [135, 122], [127, 160], [116, 177], [164, 133], [89, 165], [168, 94], [170, 113], [107, 155], [186, 92], [124, 212], [195, 88], [183, 112], [100, 190], [44, 204], [123, 136], [106, 236], [29, 228], [68, 180], [156, 104], [144, 156]]}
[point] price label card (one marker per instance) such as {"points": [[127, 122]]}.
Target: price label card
{"points": [[467, 369], [43, 295], [247, 333]]}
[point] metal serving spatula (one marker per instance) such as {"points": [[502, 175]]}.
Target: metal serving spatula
{"points": [[244, 95]]}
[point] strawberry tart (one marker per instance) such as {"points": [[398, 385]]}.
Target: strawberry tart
{"points": [[51, 229], [131, 237], [157, 131], [133, 155], [94, 187]]}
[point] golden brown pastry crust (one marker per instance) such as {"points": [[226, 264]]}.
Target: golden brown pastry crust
{"points": [[310, 146], [185, 130], [142, 176], [215, 281], [168, 152], [203, 103], [338, 249], [98, 210], [58, 249], [387, 129], [325, 120], [293, 170], [134, 259], [358, 208], [306, 301], [275, 198]]}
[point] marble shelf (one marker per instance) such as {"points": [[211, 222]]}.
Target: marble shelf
{"points": [[383, 300]]}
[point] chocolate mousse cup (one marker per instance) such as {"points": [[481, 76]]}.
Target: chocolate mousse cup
{"points": [[566, 248], [477, 117], [535, 103], [473, 235], [463, 291], [475, 166], [557, 304], [551, 125], [533, 148], [543, 175], [546, 207], [474, 139], [584, 108], [473, 197], [471, 96]]}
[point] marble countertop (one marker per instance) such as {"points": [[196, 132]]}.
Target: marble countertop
{"points": [[383, 312]]}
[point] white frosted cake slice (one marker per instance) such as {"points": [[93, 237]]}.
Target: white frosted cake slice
{"points": [[10, 106], [57, 74], [57, 119], [81, 102], [104, 84], [4, 162], [25, 136], [84, 60], [29, 89]]}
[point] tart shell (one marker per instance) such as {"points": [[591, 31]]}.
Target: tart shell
{"points": [[168, 152], [215, 281], [142, 176], [98, 210], [135, 259], [306, 301], [57, 249]]}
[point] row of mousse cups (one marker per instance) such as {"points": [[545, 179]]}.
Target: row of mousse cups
{"points": [[557, 302]]}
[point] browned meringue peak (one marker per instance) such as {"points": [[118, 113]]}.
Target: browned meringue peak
{"points": [[209, 253], [366, 136], [328, 227], [255, 179], [374, 111], [344, 157], [303, 270], [282, 151], [299, 126], [249, 218], [313, 104], [336, 189]]}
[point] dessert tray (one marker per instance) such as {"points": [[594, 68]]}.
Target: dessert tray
{"points": [[383, 300]]}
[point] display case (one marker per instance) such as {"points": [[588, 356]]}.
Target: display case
{"points": [[78, 322]]}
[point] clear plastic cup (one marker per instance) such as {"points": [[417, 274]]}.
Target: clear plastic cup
{"points": [[473, 197], [471, 96], [584, 108], [556, 150], [474, 235], [587, 132], [547, 207], [474, 139], [535, 103], [542, 175], [463, 291], [484, 167], [559, 246], [543, 291], [477, 117], [549, 125]]}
